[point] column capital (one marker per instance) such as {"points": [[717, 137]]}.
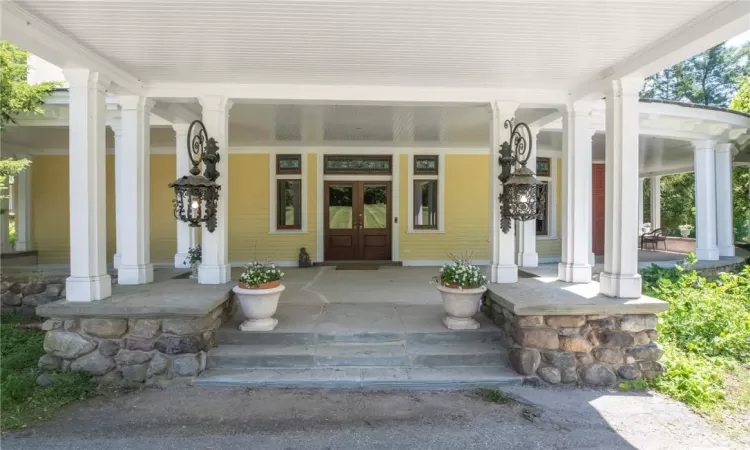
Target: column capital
{"points": [[503, 108], [215, 103], [704, 145], [577, 108], [135, 103], [180, 128], [85, 78], [626, 86], [724, 147]]}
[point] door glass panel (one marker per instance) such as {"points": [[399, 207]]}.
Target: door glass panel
{"points": [[340, 202], [375, 206]]}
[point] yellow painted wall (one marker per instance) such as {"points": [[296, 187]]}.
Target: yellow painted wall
{"points": [[466, 215], [466, 212], [163, 227], [50, 209], [552, 248], [249, 235]]}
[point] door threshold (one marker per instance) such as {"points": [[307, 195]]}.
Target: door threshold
{"points": [[360, 263]]}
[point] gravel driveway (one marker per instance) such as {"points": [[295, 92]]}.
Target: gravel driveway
{"points": [[205, 418]]}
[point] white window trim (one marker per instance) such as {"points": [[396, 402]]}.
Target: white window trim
{"points": [[273, 178], [551, 195], [440, 177]]}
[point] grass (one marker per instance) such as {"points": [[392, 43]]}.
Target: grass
{"points": [[492, 396], [22, 402]]}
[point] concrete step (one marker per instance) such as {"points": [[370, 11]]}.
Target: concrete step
{"points": [[233, 336], [355, 354], [363, 378]]}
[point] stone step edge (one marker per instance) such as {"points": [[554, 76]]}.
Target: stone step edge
{"points": [[213, 378]]}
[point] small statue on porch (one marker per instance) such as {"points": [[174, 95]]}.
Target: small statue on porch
{"points": [[304, 258]]}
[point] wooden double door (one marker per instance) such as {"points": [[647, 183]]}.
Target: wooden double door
{"points": [[357, 220]]}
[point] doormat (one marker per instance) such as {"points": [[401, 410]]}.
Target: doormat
{"points": [[357, 267]]}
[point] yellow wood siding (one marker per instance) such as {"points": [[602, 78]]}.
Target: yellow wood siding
{"points": [[466, 212], [163, 224], [249, 205], [552, 248], [50, 208]]}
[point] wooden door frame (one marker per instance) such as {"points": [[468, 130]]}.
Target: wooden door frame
{"points": [[388, 216], [357, 210]]}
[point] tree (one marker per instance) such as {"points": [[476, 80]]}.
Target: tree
{"points": [[17, 96], [715, 74], [741, 100], [672, 83]]}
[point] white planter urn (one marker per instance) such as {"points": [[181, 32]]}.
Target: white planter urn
{"points": [[460, 306], [685, 231], [259, 306]]}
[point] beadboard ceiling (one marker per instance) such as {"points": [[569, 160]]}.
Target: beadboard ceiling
{"points": [[526, 44]]}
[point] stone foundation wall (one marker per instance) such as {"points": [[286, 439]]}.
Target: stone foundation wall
{"points": [[593, 350], [126, 352], [23, 296]]}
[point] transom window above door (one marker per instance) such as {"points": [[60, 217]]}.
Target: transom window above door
{"points": [[357, 164]]}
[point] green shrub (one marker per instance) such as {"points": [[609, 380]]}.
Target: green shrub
{"points": [[705, 332]]}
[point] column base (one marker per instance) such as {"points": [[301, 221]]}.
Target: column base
{"points": [[130, 275], [574, 273], [505, 273], [219, 274], [528, 259], [726, 251], [707, 254], [180, 261], [116, 261], [620, 286], [88, 289], [23, 246]]}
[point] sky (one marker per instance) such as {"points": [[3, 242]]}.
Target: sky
{"points": [[740, 39]]}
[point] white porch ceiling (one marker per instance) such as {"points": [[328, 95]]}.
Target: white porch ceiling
{"points": [[520, 44]]}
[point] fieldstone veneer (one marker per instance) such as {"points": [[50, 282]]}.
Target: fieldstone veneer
{"points": [[120, 351], [594, 350]]}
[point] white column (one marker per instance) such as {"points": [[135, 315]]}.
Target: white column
{"points": [[186, 235], [134, 173], [640, 206], [592, 256], [120, 186], [23, 208], [724, 210], [620, 277], [655, 202], [4, 218], [503, 267], [215, 268], [88, 279], [706, 248], [526, 230], [575, 266]]}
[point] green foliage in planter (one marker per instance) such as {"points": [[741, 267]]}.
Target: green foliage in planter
{"points": [[257, 273], [462, 273]]}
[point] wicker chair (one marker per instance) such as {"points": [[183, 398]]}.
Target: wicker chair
{"points": [[653, 238]]}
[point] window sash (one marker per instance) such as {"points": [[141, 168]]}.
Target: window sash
{"points": [[295, 200], [542, 225], [418, 215]]}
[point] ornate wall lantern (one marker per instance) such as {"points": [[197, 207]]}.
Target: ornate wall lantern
{"points": [[522, 197], [196, 195]]}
